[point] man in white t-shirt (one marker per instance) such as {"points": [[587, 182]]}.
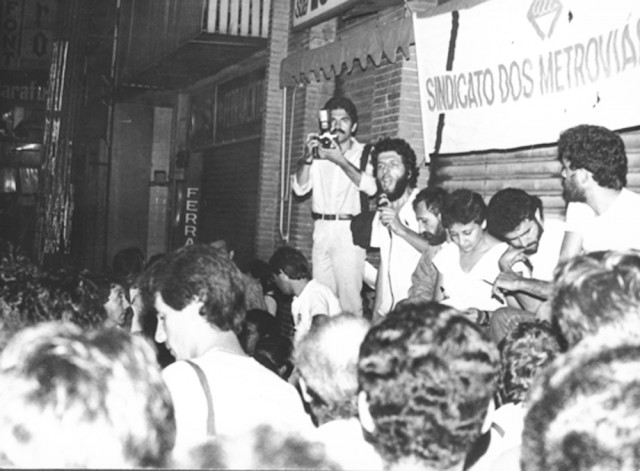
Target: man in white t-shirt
{"points": [[311, 299], [526, 268], [395, 229], [594, 172], [199, 295]]}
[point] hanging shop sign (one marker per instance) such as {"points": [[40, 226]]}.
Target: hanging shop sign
{"points": [[309, 12], [26, 32], [239, 105], [507, 74], [24, 86]]}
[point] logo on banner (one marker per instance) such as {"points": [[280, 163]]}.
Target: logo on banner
{"points": [[543, 15], [301, 8]]}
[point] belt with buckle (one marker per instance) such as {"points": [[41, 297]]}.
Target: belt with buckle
{"points": [[332, 217]]}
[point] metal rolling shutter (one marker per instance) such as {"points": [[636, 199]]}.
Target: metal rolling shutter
{"points": [[536, 171], [230, 196]]}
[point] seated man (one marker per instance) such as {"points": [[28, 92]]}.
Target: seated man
{"points": [[602, 213], [327, 360], [427, 376], [216, 388], [583, 412], [428, 206], [72, 399], [526, 268], [311, 298]]}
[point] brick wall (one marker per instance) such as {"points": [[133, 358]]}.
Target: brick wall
{"points": [[387, 99]]}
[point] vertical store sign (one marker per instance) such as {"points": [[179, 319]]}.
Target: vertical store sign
{"points": [[191, 215], [26, 33]]}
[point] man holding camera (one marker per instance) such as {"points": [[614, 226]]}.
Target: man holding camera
{"points": [[331, 167]]}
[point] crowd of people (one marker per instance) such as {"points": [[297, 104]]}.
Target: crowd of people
{"points": [[497, 339]]}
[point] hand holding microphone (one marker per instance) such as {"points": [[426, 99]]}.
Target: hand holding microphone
{"points": [[387, 215]]}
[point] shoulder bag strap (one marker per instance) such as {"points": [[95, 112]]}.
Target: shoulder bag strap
{"points": [[364, 159], [211, 425]]}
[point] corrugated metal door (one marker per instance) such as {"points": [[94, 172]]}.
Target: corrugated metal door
{"points": [[229, 196], [536, 170]]}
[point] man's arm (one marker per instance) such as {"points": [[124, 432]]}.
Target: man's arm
{"points": [[528, 292], [300, 182], [389, 218], [363, 180], [424, 279]]}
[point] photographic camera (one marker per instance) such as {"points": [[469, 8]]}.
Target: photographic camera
{"points": [[326, 133]]}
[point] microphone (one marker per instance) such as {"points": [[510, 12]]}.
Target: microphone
{"points": [[383, 201]]}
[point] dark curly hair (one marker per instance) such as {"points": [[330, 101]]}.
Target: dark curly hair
{"points": [[433, 198], [199, 272], [404, 150], [463, 206], [509, 208], [341, 102], [595, 290], [291, 262], [429, 374], [525, 351], [598, 150]]}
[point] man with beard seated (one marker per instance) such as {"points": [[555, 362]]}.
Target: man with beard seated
{"points": [[428, 208], [516, 217]]}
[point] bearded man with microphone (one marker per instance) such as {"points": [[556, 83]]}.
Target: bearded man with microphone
{"points": [[395, 229]]}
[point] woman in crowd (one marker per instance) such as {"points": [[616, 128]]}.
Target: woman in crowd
{"points": [[468, 265]]}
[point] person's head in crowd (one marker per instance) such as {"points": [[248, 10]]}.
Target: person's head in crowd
{"points": [[82, 399], [261, 271], [327, 361], [70, 295], [261, 448], [115, 295], [597, 290], [524, 353], [395, 167], [198, 294], [583, 410], [427, 375], [464, 216], [290, 268], [591, 155], [225, 246], [260, 338], [428, 205], [30, 296], [127, 263], [515, 216], [344, 117]]}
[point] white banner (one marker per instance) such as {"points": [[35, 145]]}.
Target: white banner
{"points": [[513, 73]]}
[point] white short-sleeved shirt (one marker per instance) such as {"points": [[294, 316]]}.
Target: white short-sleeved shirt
{"points": [[315, 298], [473, 289], [545, 260], [398, 258], [618, 228]]}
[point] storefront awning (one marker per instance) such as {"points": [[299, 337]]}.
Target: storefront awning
{"points": [[375, 41]]}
